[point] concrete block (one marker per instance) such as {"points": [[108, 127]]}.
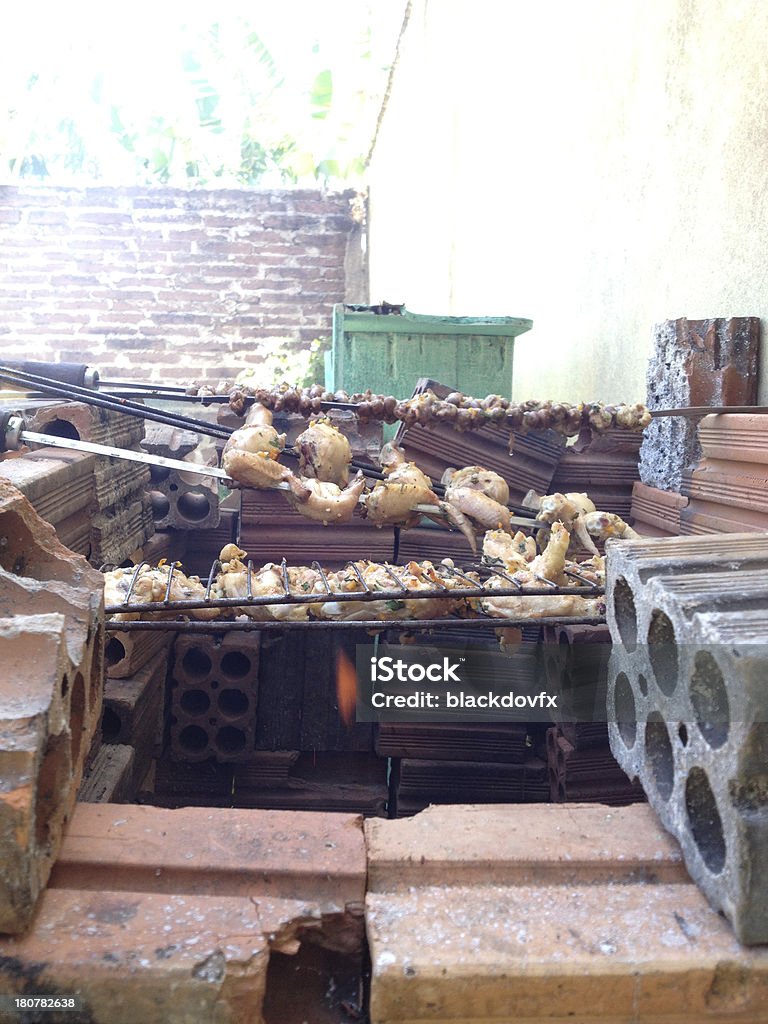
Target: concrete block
{"points": [[214, 696], [547, 913], [51, 650], [694, 362], [687, 708], [182, 501]]}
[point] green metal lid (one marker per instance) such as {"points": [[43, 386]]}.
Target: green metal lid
{"points": [[398, 320]]}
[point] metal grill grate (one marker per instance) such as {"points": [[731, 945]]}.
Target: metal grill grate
{"points": [[584, 587]]}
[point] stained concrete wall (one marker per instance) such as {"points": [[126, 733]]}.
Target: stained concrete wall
{"points": [[597, 167]]}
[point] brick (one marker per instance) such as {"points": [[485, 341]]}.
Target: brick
{"points": [[109, 777], [737, 438], [547, 913], [214, 696], [222, 852], [657, 508]]}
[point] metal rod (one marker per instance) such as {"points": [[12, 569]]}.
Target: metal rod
{"points": [[349, 595], [72, 392], [412, 625], [696, 411]]}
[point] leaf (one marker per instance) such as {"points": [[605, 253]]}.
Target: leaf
{"points": [[321, 93]]}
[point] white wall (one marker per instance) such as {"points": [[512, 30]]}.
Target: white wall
{"points": [[595, 166]]}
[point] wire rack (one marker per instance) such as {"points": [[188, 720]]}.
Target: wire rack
{"points": [[174, 610]]}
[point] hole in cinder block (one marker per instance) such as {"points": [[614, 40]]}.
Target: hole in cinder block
{"points": [[194, 506], [230, 740], [196, 663], [195, 702], [193, 739], [233, 702], [682, 732], [111, 725], [642, 683], [658, 750], [114, 652], [662, 648], [62, 428], [159, 473], [625, 613], [77, 715], [704, 820], [709, 697], [235, 664], [65, 685], [626, 713], [52, 783], [160, 504]]}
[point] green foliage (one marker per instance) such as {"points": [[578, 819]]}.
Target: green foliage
{"points": [[206, 102]]}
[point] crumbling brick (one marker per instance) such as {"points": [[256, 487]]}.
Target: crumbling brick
{"points": [[695, 362], [51, 646]]}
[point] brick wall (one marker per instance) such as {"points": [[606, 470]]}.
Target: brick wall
{"points": [[168, 284]]}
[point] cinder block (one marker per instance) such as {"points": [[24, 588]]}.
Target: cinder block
{"points": [[180, 501], [214, 695], [687, 707], [51, 651]]}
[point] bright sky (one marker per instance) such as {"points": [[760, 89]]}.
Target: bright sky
{"points": [[90, 57]]}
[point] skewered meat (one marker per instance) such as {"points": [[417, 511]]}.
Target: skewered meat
{"points": [[327, 503], [392, 501], [415, 576], [462, 412], [324, 453], [251, 453], [478, 479], [147, 585], [485, 513]]}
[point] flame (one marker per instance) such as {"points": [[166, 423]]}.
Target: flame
{"points": [[346, 687]]}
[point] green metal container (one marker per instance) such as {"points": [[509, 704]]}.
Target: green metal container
{"points": [[389, 352]]}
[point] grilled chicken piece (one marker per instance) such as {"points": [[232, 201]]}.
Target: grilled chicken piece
{"points": [[603, 525], [415, 576], [569, 509], [232, 582], [485, 512], [391, 502], [324, 453], [152, 586], [251, 453], [549, 565], [326, 502], [478, 479], [515, 552]]}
